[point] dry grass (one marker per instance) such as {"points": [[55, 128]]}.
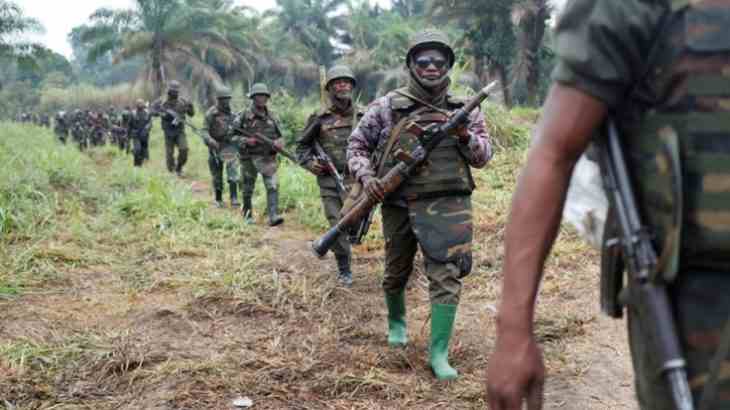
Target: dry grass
{"points": [[122, 303]]}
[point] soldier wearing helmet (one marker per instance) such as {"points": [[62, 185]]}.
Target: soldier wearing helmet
{"points": [[223, 147], [172, 113], [432, 209], [331, 128], [139, 125], [256, 156]]}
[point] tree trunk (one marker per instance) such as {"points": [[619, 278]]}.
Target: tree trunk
{"points": [[158, 79], [535, 31], [501, 73]]}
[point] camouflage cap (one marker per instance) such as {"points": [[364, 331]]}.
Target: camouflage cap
{"points": [[174, 86], [338, 72], [430, 38], [259, 88], [223, 92]]}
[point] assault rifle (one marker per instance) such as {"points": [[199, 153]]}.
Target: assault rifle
{"points": [[430, 138], [646, 291], [270, 142], [321, 156]]}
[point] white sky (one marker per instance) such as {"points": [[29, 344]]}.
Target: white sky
{"points": [[59, 17]]}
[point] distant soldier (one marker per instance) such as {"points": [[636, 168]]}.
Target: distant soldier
{"points": [[61, 126], [44, 120], [172, 113], [138, 130], [331, 128], [223, 148], [78, 129], [125, 116], [99, 126], [257, 157]]}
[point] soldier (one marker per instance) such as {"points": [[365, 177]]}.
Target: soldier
{"points": [[44, 120], [659, 68], [223, 147], [78, 129], [433, 208], [331, 129], [138, 130], [172, 113], [257, 157], [125, 116], [61, 126]]}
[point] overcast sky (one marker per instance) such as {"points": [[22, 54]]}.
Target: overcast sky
{"points": [[59, 17]]}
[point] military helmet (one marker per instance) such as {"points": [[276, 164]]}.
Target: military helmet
{"points": [[430, 38], [223, 92], [340, 71], [174, 86], [259, 88]]}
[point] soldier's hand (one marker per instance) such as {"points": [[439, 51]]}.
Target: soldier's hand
{"points": [[279, 145], [516, 373], [317, 167], [374, 188], [252, 142], [461, 133]]}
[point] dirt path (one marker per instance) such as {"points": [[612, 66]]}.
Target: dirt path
{"points": [[172, 330]]}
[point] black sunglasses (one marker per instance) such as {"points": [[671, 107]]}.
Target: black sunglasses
{"points": [[425, 62]]}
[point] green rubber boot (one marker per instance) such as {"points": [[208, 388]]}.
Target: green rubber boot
{"points": [[442, 325], [397, 334]]}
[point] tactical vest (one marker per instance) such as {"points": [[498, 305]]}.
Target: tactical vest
{"points": [[219, 123], [446, 172], [679, 149], [252, 123], [181, 108], [335, 130], [138, 122]]}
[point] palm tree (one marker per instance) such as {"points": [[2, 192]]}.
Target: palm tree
{"points": [[14, 24], [530, 20], [312, 24], [175, 37]]}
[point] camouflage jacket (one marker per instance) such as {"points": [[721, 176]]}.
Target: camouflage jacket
{"points": [[180, 106], [375, 128], [140, 124]]}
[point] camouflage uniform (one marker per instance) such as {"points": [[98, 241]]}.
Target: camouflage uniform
{"points": [[260, 159], [678, 110], [78, 129], [61, 126], [44, 120], [331, 128], [138, 130], [174, 131], [432, 209], [219, 123]]}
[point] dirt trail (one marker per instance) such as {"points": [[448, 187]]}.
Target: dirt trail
{"points": [[297, 341]]}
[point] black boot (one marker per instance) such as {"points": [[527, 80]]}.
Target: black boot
{"points": [[182, 159], [344, 274], [219, 198], [247, 210], [233, 187], [272, 202]]}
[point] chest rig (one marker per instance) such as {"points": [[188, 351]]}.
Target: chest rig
{"points": [[446, 172], [679, 148], [220, 125], [335, 130], [256, 124]]}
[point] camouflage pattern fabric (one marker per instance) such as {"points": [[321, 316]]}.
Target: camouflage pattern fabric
{"points": [[266, 165], [401, 244], [227, 157], [174, 131], [675, 135]]}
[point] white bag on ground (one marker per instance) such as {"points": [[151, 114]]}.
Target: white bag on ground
{"points": [[586, 204]]}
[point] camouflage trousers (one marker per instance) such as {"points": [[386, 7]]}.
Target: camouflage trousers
{"points": [[702, 308], [227, 158], [332, 204], [181, 142], [140, 150], [404, 231], [251, 167]]}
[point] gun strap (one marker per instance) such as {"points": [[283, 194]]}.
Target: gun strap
{"points": [[392, 139], [427, 104]]}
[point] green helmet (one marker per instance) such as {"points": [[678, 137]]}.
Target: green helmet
{"points": [[259, 88], [224, 92], [430, 38], [340, 71], [174, 86]]}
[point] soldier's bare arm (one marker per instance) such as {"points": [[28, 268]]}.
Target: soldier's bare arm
{"points": [[569, 119]]}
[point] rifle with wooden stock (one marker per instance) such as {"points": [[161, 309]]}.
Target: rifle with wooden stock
{"points": [[430, 138]]}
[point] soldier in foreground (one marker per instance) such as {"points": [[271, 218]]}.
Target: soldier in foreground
{"points": [[330, 129], [61, 126], [138, 130], [658, 70], [257, 157], [223, 148], [172, 113], [432, 209]]}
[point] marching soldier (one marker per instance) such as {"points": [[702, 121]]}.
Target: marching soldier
{"points": [[138, 130], [61, 126], [331, 129], [172, 113], [432, 209], [223, 147]]}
